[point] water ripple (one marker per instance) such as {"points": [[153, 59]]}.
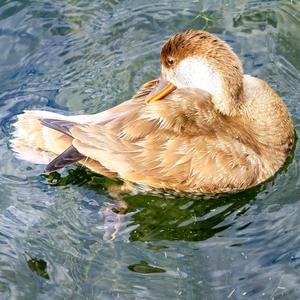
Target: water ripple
{"points": [[85, 56]]}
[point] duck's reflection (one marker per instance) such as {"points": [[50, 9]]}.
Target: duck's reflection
{"points": [[184, 218], [161, 216]]}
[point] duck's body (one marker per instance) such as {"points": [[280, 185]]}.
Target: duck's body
{"points": [[232, 136]]}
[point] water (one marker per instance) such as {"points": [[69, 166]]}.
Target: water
{"points": [[83, 56]]}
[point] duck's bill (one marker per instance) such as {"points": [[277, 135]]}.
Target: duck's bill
{"points": [[162, 89]]}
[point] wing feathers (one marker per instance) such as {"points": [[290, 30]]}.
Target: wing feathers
{"points": [[62, 126], [69, 156]]}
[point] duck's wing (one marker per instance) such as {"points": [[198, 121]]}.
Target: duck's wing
{"points": [[68, 157], [172, 143], [179, 142]]}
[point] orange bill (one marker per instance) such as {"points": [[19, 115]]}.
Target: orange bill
{"points": [[162, 89]]}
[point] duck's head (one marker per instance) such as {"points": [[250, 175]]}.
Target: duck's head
{"points": [[198, 59]]}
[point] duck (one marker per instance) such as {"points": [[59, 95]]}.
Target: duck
{"points": [[203, 126]]}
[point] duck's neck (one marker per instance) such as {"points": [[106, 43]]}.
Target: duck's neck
{"points": [[231, 95], [225, 85], [229, 100], [223, 81]]}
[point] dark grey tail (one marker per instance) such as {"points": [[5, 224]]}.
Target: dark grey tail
{"points": [[68, 157]]}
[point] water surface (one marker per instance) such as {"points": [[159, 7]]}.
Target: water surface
{"points": [[83, 56]]}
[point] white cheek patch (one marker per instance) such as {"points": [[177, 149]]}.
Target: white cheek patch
{"points": [[195, 72]]}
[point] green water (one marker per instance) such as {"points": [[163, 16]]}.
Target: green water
{"points": [[71, 57]]}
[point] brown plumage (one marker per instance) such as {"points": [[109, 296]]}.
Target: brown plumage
{"points": [[220, 130]]}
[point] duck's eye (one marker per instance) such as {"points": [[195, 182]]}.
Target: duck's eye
{"points": [[170, 61]]}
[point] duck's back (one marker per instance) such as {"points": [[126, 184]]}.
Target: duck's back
{"points": [[183, 143]]}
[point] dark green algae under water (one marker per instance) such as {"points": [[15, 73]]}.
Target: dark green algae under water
{"points": [[86, 56]]}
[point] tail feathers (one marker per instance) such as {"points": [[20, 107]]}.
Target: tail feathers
{"points": [[43, 137], [36, 143], [33, 155], [69, 156]]}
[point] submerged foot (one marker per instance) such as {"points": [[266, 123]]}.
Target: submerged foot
{"points": [[113, 215]]}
